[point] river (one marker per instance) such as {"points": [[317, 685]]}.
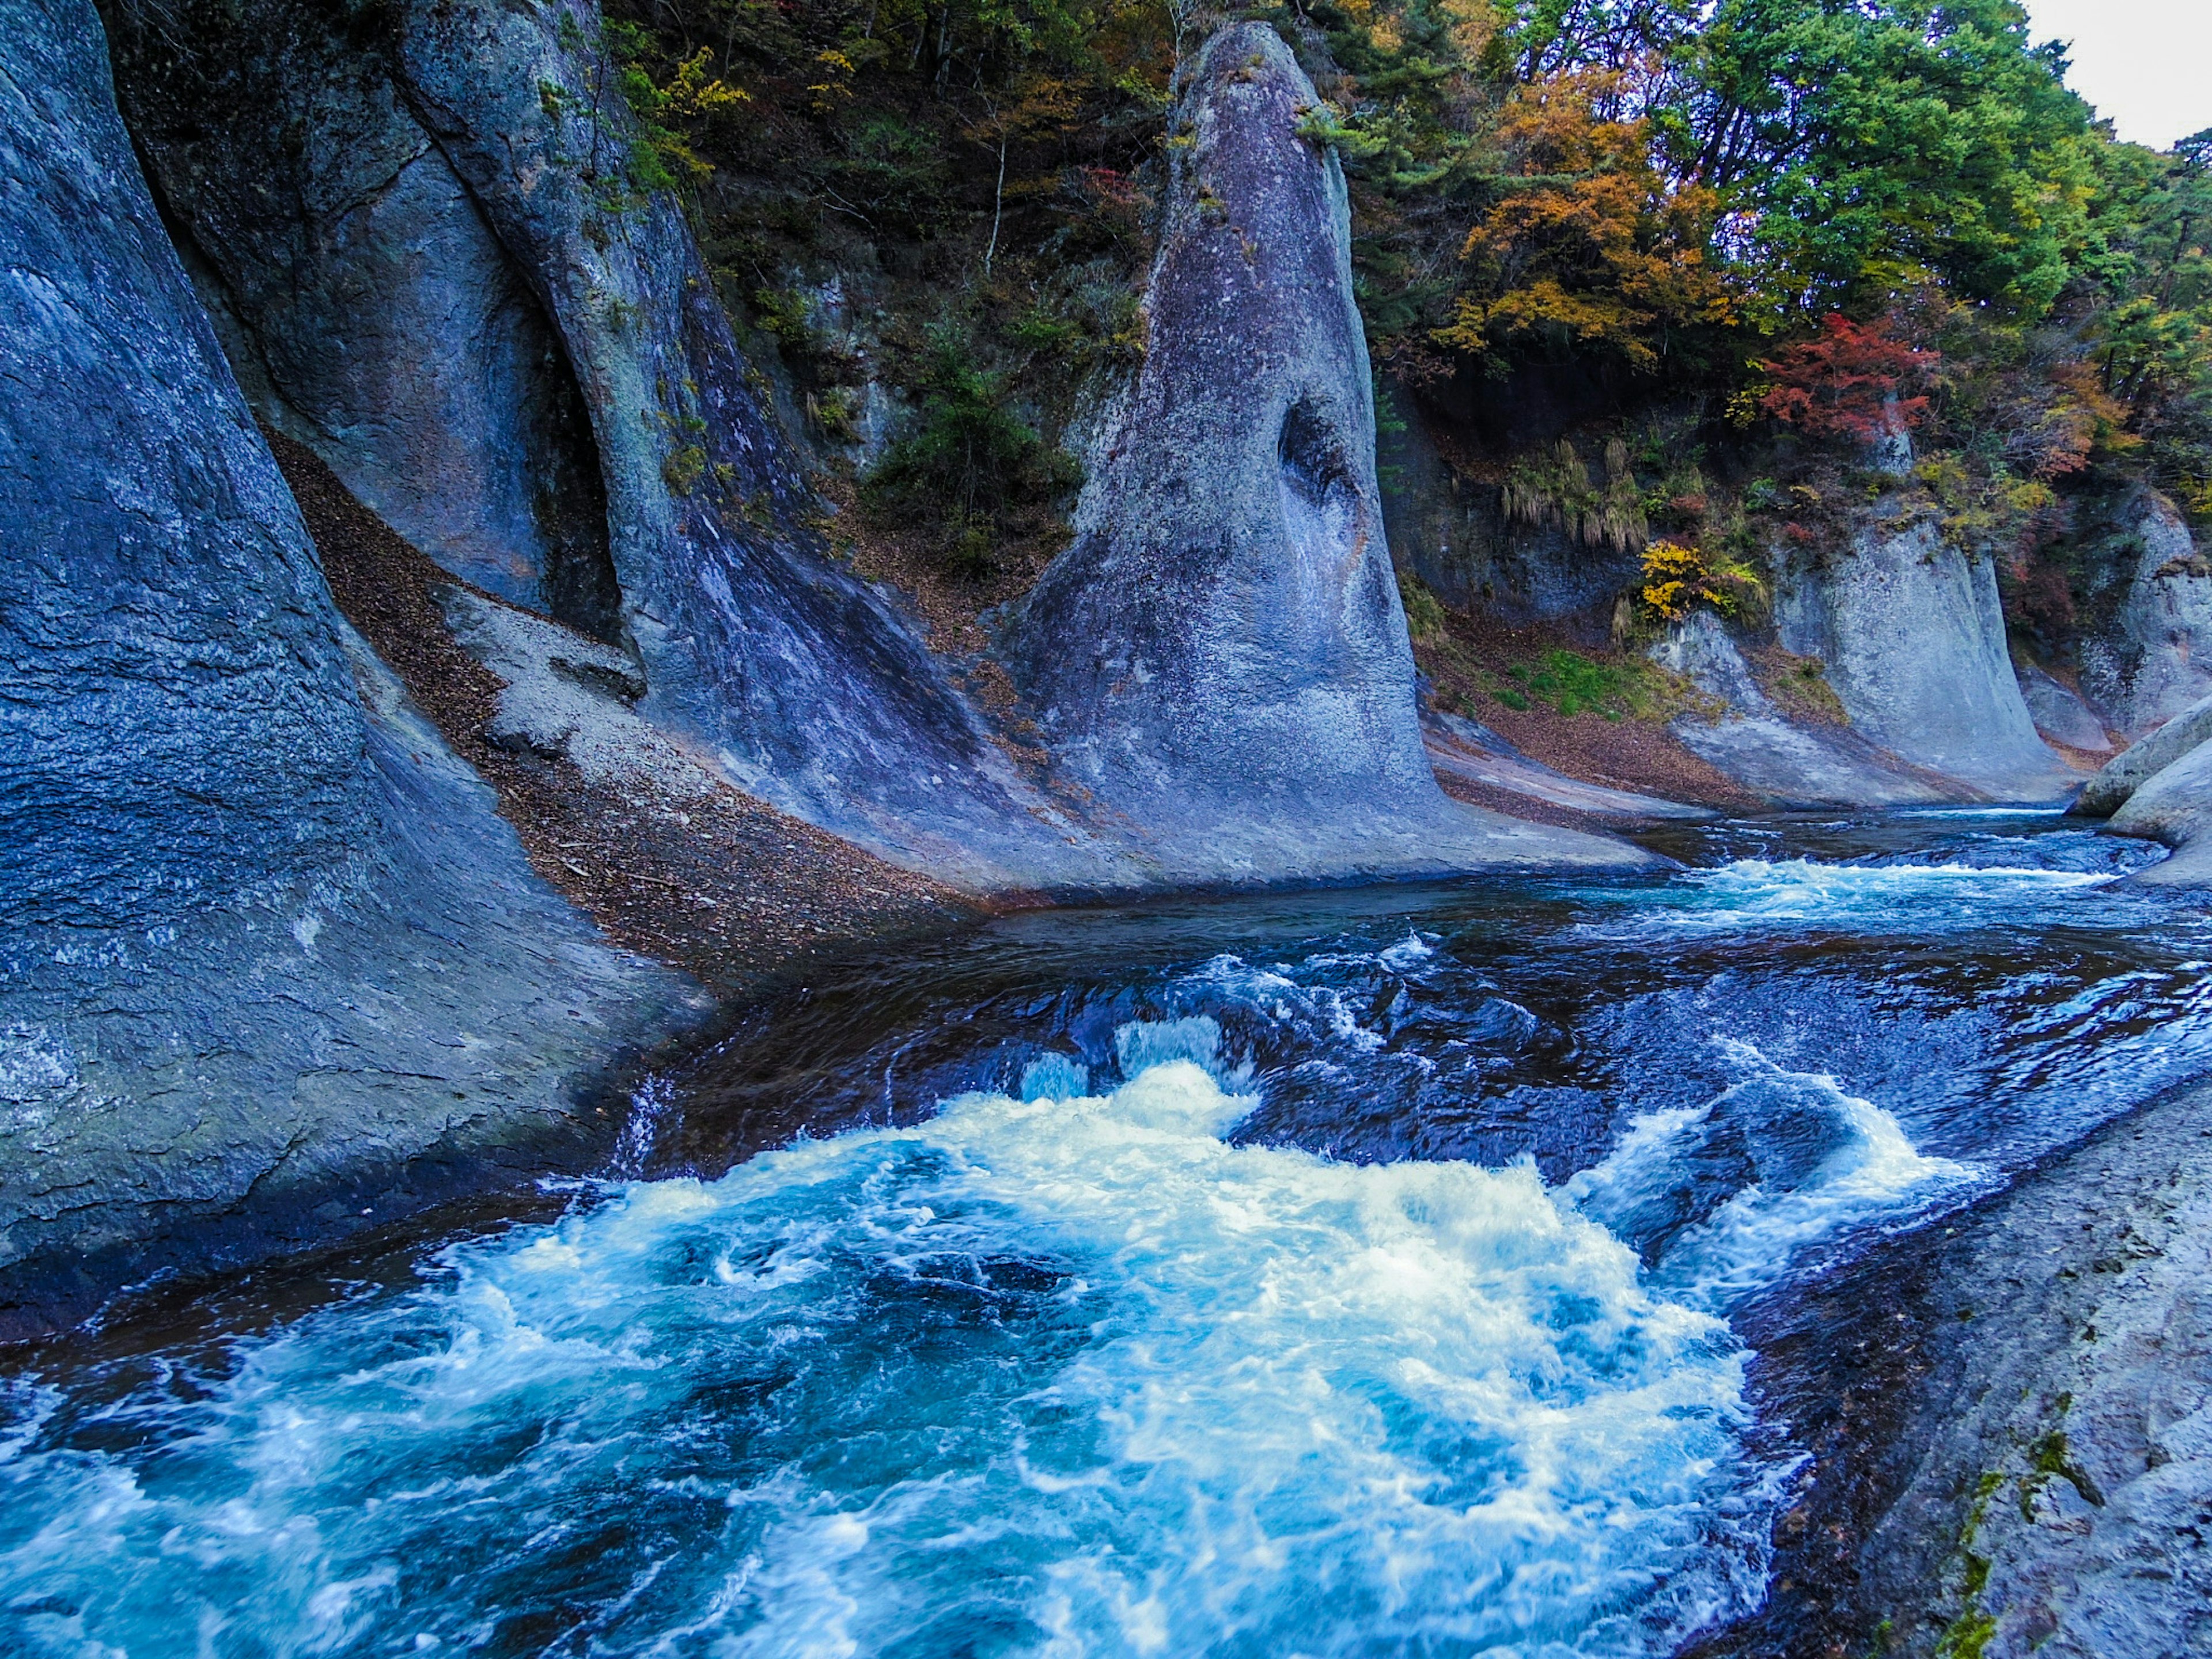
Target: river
{"points": [[1332, 1273]]}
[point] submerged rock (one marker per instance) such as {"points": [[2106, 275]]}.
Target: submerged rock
{"points": [[1220, 657], [271, 962]]}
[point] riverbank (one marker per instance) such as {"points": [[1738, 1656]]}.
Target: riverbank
{"points": [[2006, 1418], [662, 854]]}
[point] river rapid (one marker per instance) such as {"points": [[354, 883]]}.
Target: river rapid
{"points": [[1335, 1273]]}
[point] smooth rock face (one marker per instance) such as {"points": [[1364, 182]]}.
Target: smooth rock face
{"points": [[1699, 648], [2144, 759], [269, 957], [417, 219], [369, 311], [2058, 713], [1797, 765], [2153, 658], [1220, 656], [2174, 807], [792, 671], [1913, 636], [1753, 741]]}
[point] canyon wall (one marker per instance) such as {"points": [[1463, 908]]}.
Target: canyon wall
{"points": [[272, 965]]}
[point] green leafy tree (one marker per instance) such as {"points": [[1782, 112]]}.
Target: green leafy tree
{"points": [[1859, 144]]}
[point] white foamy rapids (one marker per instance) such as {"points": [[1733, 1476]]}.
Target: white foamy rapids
{"points": [[1057, 1376], [1755, 892], [1808, 1161]]}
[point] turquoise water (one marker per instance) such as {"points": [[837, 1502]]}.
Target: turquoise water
{"points": [[1178, 1328]]}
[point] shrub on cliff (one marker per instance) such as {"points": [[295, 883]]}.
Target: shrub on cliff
{"points": [[1852, 380], [970, 466]]}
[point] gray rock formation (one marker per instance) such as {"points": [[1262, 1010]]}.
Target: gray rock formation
{"points": [[271, 959], [1913, 636], [368, 310], [2144, 759], [2173, 807], [1746, 736], [2059, 713], [1220, 656], [448, 185], [2150, 654], [2026, 1462]]}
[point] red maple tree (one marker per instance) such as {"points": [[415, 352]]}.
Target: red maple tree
{"points": [[1852, 380]]}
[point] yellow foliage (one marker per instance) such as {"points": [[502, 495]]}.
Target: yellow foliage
{"points": [[1673, 579], [694, 93], [1596, 242], [1677, 580], [836, 71]]}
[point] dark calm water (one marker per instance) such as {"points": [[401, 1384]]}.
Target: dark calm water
{"points": [[1341, 1273]]}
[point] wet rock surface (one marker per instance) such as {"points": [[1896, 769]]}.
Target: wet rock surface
{"points": [[272, 960], [2011, 1459]]}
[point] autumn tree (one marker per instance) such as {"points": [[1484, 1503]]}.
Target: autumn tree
{"points": [[1852, 380], [1589, 244]]}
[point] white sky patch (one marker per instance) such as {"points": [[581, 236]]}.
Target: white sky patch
{"points": [[2146, 64]]}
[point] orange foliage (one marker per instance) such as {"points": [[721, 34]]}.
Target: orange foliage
{"points": [[1590, 242]]}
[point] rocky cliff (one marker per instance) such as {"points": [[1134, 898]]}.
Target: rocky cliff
{"points": [[1912, 633], [2148, 654], [272, 963], [1861, 579], [422, 229]]}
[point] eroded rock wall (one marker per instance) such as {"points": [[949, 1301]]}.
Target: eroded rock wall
{"points": [[1789, 762], [368, 308], [1913, 638], [2148, 652], [421, 222], [271, 964]]}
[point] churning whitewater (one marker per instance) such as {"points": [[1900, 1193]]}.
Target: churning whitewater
{"points": [[1102, 1360], [1061, 1375]]}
